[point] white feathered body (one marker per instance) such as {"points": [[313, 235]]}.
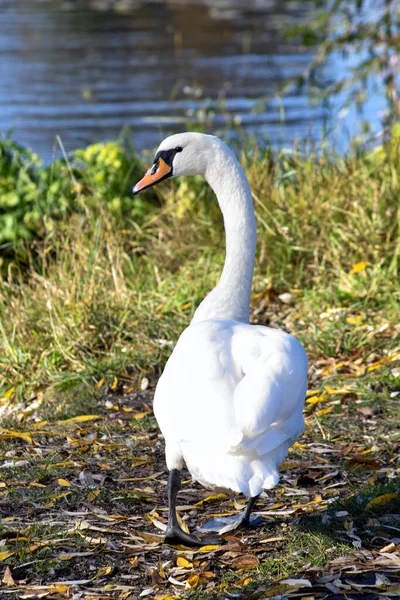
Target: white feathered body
{"points": [[230, 403]]}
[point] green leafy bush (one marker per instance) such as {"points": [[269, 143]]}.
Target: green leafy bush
{"points": [[34, 197]]}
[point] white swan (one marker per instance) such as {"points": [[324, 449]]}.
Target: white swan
{"points": [[231, 396]]}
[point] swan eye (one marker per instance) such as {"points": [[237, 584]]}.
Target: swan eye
{"points": [[178, 149]]}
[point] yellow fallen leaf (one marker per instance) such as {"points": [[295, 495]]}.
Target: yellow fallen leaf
{"points": [[39, 425], [93, 495], [140, 415], [100, 383], [63, 482], [114, 384], [151, 537], [140, 461], [8, 578], [381, 500], [5, 554], [211, 499], [290, 464], [383, 361], [182, 562], [6, 434], [336, 391], [299, 446], [389, 548], [323, 411], [81, 419], [104, 571], [316, 399], [53, 499], [60, 588], [192, 582], [355, 320], [133, 561], [95, 540], [9, 392], [335, 367], [209, 548], [358, 267], [245, 581], [312, 393], [3, 484]]}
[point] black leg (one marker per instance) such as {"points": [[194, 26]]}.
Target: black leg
{"points": [[249, 508], [175, 533]]}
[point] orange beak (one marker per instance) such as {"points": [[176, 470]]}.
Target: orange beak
{"points": [[158, 172]]}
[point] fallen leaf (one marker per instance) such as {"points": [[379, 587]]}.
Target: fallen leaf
{"points": [[246, 561], [297, 583], [5, 554], [140, 415], [93, 495], [355, 320], [366, 411], [317, 399], [80, 419], [9, 392], [358, 463], [144, 384], [192, 582], [105, 571], [211, 499], [59, 588], [358, 267], [182, 562], [209, 548], [389, 548], [63, 482], [337, 391], [381, 500], [7, 577], [323, 411], [6, 434], [245, 581]]}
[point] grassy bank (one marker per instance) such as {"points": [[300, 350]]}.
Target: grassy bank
{"points": [[97, 286]]}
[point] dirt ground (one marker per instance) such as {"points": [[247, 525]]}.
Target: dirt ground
{"points": [[83, 505]]}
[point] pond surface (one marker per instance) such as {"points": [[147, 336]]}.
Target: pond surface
{"points": [[85, 69]]}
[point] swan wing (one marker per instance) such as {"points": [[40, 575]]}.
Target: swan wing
{"points": [[269, 399]]}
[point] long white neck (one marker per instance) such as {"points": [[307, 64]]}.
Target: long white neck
{"points": [[231, 297]]}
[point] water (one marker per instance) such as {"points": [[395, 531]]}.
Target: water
{"points": [[83, 70]]}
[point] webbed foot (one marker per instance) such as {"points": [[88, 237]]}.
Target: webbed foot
{"points": [[223, 525], [176, 535]]}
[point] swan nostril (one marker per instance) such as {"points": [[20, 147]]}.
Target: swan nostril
{"points": [[154, 168]]}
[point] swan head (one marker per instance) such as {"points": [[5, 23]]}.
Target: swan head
{"points": [[180, 154]]}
